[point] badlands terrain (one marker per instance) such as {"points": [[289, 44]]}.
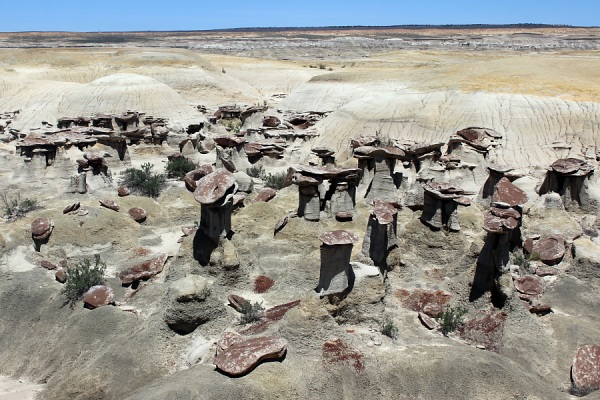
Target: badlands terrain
{"points": [[428, 172]]}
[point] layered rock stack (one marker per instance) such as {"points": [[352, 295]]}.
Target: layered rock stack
{"points": [[381, 232], [215, 194], [569, 178], [440, 208], [336, 275], [502, 224]]}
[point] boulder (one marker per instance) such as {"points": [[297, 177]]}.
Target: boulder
{"points": [[41, 228], [60, 275], [109, 204], [585, 371], [191, 288], [427, 321], [265, 195], [191, 304], [242, 357], [123, 191], [550, 248], [144, 270], [271, 121], [236, 302], [98, 296], [71, 207], [138, 214], [48, 265]]}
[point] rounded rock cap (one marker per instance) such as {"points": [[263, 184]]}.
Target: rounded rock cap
{"points": [[214, 186], [333, 238]]}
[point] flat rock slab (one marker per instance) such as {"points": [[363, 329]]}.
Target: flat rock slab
{"points": [[333, 238], [585, 371], [144, 270], [109, 204], [529, 284], [98, 296], [427, 321], [242, 357], [506, 192], [551, 249], [70, 208], [47, 264], [265, 195]]}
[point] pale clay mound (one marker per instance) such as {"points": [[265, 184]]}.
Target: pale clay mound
{"points": [[128, 351]]}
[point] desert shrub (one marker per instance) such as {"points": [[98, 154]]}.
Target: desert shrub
{"points": [[144, 181], [82, 276], [519, 259], [251, 312], [178, 167], [329, 69], [256, 171], [535, 256], [15, 207], [322, 66], [451, 319], [275, 181], [388, 327]]}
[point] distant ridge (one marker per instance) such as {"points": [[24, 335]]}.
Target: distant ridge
{"points": [[344, 28]]}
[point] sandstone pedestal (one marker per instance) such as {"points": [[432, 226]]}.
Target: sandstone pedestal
{"points": [[336, 272]]}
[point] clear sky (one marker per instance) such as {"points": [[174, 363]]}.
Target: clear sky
{"points": [[136, 15]]}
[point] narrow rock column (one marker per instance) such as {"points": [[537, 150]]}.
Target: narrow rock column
{"points": [[382, 185], [381, 232], [336, 272], [440, 205]]}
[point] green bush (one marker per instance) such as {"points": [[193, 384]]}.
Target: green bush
{"points": [[275, 181], [81, 277], [15, 207], [451, 319], [178, 167], [388, 327], [251, 312], [144, 181], [256, 171]]}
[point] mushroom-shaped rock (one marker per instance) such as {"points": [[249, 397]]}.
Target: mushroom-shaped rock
{"points": [[144, 270], [109, 204], [440, 205], [585, 371], [529, 284], [336, 271], [214, 186], [138, 214], [98, 296], [243, 356], [569, 178], [41, 228], [265, 195], [551, 249]]}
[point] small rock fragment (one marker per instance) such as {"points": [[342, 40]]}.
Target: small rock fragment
{"points": [[109, 204], [242, 357], [427, 321], [98, 296]]}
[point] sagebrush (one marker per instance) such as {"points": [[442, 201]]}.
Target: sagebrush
{"points": [[143, 181], [251, 312], [178, 167], [82, 276], [15, 207], [275, 181], [451, 319], [388, 327]]}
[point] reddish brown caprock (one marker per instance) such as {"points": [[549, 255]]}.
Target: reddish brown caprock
{"points": [[585, 371], [242, 357]]}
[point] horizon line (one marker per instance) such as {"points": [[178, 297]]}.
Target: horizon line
{"points": [[530, 25]]}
